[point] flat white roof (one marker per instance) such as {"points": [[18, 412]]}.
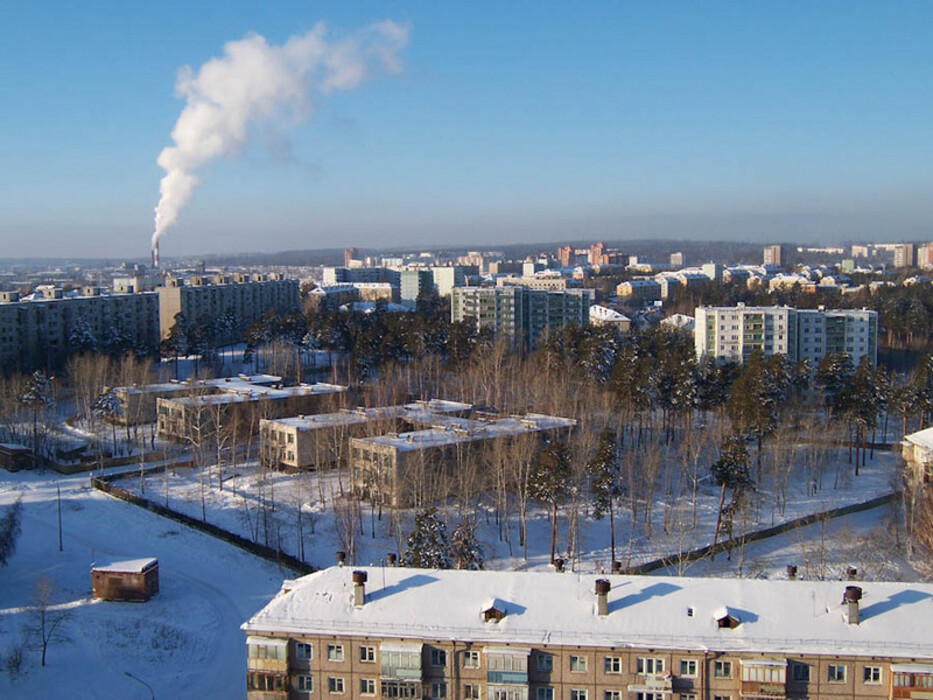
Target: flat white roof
{"points": [[777, 617], [130, 566]]}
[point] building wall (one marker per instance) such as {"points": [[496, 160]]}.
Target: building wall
{"points": [[448, 666], [250, 300], [35, 334]]}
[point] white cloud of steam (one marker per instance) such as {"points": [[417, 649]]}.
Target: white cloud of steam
{"points": [[255, 83]]}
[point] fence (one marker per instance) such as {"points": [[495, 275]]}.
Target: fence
{"points": [[103, 483]]}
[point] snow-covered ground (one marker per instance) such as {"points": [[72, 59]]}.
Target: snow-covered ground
{"points": [[325, 528], [185, 642]]}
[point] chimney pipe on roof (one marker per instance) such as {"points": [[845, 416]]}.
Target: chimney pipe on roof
{"points": [[559, 565], [341, 558], [359, 588], [792, 572], [391, 559], [851, 598], [602, 597], [851, 573]]}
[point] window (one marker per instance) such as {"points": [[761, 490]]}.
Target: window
{"points": [[649, 665], [545, 663], [439, 690], [722, 697], [577, 663], [438, 657], [688, 696], [722, 669], [578, 694], [335, 652], [302, 650], [649, 696], [872, 675], [612, 695], [335, 685], [836, 673], [265, 681], [546, 693], [275, 649], [471, 659], [800, 672], [367, 654], [305, 684], [688, 667], [612, 664], [471, 691]]}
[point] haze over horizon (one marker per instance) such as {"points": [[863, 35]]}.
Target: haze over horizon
{"points": [[502, 124]]}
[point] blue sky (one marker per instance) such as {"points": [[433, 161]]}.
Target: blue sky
{"points": [[523, 121]]}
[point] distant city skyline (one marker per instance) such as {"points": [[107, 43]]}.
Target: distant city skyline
{"points": [[507, 124]]}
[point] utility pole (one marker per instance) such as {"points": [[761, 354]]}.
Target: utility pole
{"points": [[58, 489]]}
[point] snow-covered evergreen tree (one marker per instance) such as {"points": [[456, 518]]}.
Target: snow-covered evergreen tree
{"points": [[465, 548], [428, 546], [9, 530], [82, 338]]}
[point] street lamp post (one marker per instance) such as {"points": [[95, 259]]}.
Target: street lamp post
{"points": [[142, 682]]}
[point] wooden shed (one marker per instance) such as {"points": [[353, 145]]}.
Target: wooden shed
{"points": [[14, 457], [135, 580]]}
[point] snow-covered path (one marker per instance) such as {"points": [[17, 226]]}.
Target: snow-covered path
{"points": [[185, 642]]}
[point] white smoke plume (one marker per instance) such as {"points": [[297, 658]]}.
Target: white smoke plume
{"points": [[254, 83]]}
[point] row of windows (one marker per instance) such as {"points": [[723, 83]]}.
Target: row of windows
{"points": [[836, 673]]}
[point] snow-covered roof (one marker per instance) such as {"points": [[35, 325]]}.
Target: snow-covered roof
{"points": [[604, 313], [922, 438], [776, 617], [130, 566]]}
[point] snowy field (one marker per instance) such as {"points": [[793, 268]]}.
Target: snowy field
{"points": [[265, 508], [185, 642]]}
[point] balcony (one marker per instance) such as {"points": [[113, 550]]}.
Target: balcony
{"points": [[653, 683], [507, 677], [756, 689]]}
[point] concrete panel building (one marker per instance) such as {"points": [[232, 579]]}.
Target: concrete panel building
{"points": [[38, 332], [520, 314], [736, 332], [416, 467], [203, 299], [502, 635]]}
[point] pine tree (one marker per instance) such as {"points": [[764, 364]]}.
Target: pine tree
{"points": [[548, 482], [10, 528], [428, 546], [604, 484], [730, 471], [466, 550]]}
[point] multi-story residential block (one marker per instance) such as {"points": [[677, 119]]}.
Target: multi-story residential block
{"points": [[520, 314], [299, 443], [546, 282], [774, 255], [925, 256], [415, 282], [640, 291], [904, 255], [351, 275], [480, 635], [446, 278], [204, 299], [419, 467], [41, 332], [736, 332], [195, 417], [331, 298]]}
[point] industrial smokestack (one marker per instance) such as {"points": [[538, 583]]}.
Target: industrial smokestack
{"points": [[155, 253], [255, 83]]}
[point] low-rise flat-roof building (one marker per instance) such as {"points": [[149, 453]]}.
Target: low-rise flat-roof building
{"points": [[313, 442], [503, 635], [416, 467], [134, 580], [138, 403], [197, 416], [917, 451]]}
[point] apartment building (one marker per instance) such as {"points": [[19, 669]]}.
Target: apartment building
{"points": [[736, 332], [470, 635], [194, 417], [249, 296], [554, 283], [520, 314], [416, 467], [904, 255], [351, 275], [640, 291], [300, 443], [37, 332]]}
